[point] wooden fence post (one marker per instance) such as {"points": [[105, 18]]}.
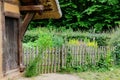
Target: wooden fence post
{"points": [[61, 57]]}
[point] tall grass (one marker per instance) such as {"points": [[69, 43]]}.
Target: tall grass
{"points": [[115, 37]]}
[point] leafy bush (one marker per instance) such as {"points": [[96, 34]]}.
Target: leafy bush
{"points": [[68, 68], [101, 39], [57, 37], [31, 36], [44, 40], [57, 41], [105, 62], [116, 53], [32, 67], [115, 37], [42, 37]]}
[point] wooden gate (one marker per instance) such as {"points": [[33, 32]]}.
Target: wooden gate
{"points": [[10, 45]]}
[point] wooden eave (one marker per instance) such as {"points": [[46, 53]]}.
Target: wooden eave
{"points": [[49, 8]]}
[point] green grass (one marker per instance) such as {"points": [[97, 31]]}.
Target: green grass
{"points": [[107, 75]]}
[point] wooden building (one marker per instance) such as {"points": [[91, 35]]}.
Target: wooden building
{"points": [[15, 16]]}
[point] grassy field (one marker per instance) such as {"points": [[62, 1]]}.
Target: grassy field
{"points": [[107, 75]]}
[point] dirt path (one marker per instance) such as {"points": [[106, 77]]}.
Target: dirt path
{"points": [[54, 76]]}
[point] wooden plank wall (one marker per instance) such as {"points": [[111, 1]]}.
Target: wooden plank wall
{"points": [[10, 43], [10, 36], [1, 51], [11, 8]]}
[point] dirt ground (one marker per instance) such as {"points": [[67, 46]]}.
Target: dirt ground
{"points": [[53, 76]]}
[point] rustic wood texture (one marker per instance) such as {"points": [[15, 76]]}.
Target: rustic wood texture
{"points": [[22, 30], [12, 1], [14, 15], [25, 23], [12, 33], [10, 44], [8, 7], [1, 38], [30, 8], [51, 8]]}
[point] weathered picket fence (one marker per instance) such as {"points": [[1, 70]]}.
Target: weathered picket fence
{"points": [[53, 59]]}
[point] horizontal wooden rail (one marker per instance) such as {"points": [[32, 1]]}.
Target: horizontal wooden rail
{"points": [[32, 8]]}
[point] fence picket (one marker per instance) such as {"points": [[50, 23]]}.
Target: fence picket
{"points": [[58, 59], [27, 57], [42, 67], [45, 65], [48, 60], [55, 60], [62, 56], [51, 70]]}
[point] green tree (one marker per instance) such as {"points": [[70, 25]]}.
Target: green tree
{"points": [[87, 14]]}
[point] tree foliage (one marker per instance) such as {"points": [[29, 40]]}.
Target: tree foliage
{"points": [[87, 14]]}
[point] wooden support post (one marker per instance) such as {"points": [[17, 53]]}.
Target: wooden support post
{"points": [[26, 21], [1, 49], [21, 66], [22, 30]]}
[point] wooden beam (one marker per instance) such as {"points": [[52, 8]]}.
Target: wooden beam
{"points": [[8, 7], [32, 8], [25, 23], [13, 15]]}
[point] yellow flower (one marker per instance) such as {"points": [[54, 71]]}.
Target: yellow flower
{"points": [[92, 44], [73, 42]]}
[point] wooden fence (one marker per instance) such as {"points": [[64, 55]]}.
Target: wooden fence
{"points": [[53, 59]]}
